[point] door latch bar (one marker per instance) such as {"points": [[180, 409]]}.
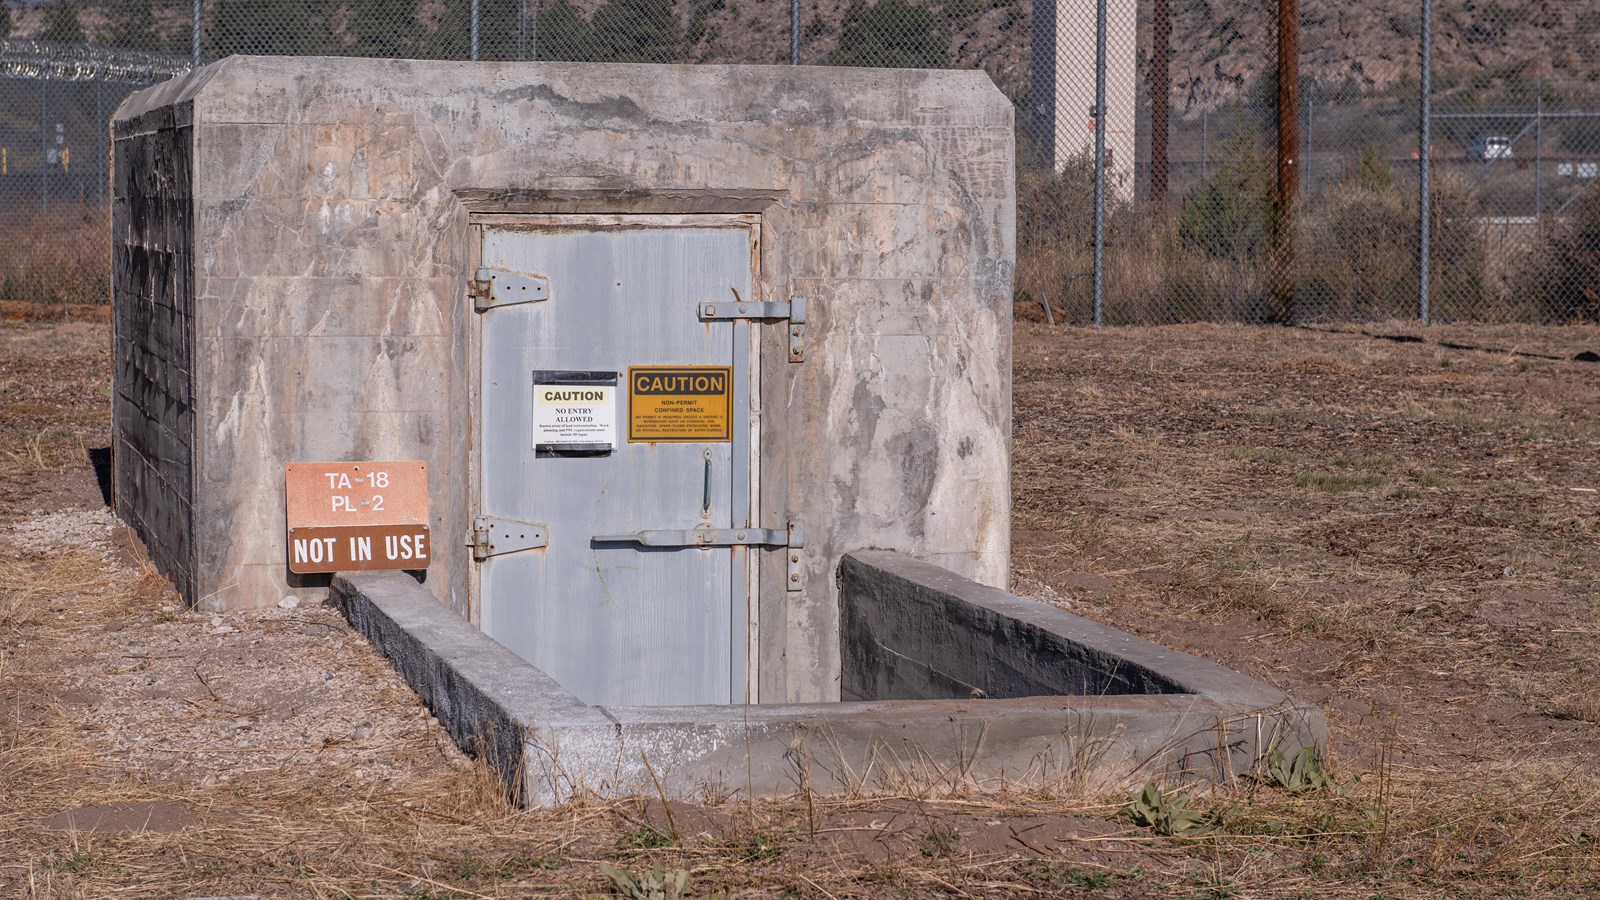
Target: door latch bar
{"points": [[494, 536], [792, 539], [794, 311], [497, 287]]}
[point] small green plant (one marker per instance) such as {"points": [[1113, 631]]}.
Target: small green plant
{"points": [[760, 847], [656, 884], [1170, 813], [939, 841], [1336, 483], [476, 867], [78, 861], [1215, 887], [648, 838], [1058, 874], [1301, 774], [1269, 455], [1370, 463]]}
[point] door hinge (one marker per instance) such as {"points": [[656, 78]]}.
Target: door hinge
{"points": [[494, 536], [792, 539], [497, 287], [794, 311]]}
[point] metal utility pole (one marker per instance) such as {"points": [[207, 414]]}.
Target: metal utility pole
{"points": [[1425, 164], [1538, 157], [44, 144], [1288, 154], [1160, 94], [794, 32]]}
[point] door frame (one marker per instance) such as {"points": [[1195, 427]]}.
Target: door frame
{"points": [[746, 451]]}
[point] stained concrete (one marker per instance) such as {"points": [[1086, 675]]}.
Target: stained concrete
{"points": [[153, 351], [320, 222], [1201, 722]]}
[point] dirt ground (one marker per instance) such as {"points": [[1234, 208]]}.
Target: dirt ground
{"points": [[1404, 533]]}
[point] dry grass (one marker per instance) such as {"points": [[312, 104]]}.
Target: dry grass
{"points": [[1443, 617], [55, 260], [1403, 533]]}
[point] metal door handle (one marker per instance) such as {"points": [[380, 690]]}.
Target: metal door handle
{"points": [[792, 539], [700, 537]]}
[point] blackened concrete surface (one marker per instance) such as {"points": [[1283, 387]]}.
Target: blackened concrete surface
{"points": [[549, 747]]}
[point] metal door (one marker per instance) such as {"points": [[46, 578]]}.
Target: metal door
{"points": [[613, 620]]}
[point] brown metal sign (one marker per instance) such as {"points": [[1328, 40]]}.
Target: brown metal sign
{"points": [[353, 516], [359, 548], [356, 493]]}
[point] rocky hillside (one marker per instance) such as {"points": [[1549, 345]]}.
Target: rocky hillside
{"points": [[1485, 50]]}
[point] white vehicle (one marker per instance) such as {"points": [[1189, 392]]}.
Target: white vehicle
{"points": [[1487, 148]]}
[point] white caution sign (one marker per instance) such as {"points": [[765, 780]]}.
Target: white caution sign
{"points": [[581, 417]]}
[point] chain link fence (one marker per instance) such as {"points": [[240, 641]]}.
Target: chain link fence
{"points": [[1201, 220]]}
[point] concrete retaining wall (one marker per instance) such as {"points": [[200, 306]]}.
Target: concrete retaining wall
{"points": [[914, 631], [1221, 724]]}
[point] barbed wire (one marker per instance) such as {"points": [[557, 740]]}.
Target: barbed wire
{"points": [[36, 60]]}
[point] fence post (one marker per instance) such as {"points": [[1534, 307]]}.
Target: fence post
{"points": [[44, 144], [1099, 162], [533, 29], [794, 32], [1425, 164], [194, 29], [1538, 158], [474, 30]]}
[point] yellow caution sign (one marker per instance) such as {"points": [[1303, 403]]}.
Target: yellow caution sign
{"points": [[680, 404]]}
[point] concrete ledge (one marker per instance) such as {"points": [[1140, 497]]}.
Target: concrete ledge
{"points": [[492, 703], [915, 631], [1203, 723]]}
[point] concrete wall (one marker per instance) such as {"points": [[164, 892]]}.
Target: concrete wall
{"points": [[152, 406], [549, 747], [912, 631], [334, 201]]}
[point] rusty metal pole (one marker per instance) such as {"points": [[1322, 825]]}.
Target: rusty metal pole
{"points": [[1160, 95], [1288, 154]]}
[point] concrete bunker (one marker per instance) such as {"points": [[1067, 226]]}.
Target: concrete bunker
{"points": [[670, 348]]}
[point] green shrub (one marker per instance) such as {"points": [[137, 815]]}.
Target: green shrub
{"points": [[1229, 215], [1565, 269], [891, 34]]}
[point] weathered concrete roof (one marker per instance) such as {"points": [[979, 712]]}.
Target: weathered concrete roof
{"points": [[262, 90]]}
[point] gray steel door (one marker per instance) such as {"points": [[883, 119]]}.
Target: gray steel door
{"points": [[617, 622]]}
